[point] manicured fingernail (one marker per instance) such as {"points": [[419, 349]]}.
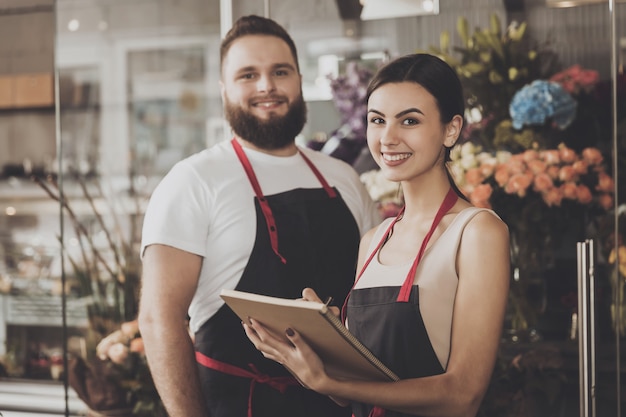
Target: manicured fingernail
{"points": [[290, 332]]}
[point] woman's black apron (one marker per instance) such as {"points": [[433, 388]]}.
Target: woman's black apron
{"points": [[388, 321], [305, 238]]}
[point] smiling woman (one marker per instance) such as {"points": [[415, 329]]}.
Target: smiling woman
{"points": [[418, 301]]}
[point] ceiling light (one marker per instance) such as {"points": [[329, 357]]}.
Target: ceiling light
{"points": [[387, 9]]}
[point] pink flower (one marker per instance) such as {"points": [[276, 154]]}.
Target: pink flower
{"points": [[118, 353], [576, 79]]}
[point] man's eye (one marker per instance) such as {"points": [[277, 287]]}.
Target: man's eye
{"points": [[247, 76], [282, 73]]}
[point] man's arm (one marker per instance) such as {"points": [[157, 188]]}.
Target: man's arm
{"points": [[170, 278]]}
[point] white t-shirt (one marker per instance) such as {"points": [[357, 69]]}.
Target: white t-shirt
{"points": [[205, 206]]}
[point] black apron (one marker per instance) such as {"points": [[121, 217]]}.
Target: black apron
{"points": [[305, 238], [388, 321]]}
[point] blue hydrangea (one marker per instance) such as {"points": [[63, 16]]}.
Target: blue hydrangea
{"points": [[541, 100]]}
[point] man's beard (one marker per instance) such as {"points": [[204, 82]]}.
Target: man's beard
{"points": [[273, 133]]}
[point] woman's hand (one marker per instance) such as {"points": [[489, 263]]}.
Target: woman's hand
{"points": [[295, 355], [308, 294]]}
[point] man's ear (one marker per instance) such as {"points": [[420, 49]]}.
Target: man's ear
{"points": [[453, 130]]}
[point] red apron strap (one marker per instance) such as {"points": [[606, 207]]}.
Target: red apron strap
{"points": [[265, 207], [369, 259], [279, 383], [446, 205], [329, 190]]}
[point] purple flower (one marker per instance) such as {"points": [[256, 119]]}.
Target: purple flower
{"points": [[349, 92]]}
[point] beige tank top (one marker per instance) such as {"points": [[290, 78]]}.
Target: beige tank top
{"points": [[436, 277]]}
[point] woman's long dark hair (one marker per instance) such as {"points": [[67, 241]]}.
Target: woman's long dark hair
{"points": [[437, 77]]}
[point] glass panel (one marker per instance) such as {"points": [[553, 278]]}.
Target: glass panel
{"points": [[137, 91]]}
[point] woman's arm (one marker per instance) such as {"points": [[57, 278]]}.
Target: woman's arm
{"points": [[483, 269]]}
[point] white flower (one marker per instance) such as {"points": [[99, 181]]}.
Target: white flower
{"points": [[380, 188]]}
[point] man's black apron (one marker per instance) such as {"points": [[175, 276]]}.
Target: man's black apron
{"points": [[388, 321], [305, 238]]}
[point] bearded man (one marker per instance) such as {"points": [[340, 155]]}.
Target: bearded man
{"points": [[255, 213]]}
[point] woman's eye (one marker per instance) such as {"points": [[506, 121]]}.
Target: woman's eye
{"points": [[410, 121], [376, 120]]}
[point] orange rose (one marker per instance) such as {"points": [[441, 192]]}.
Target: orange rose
{"points": [[553, 197], [569, 190], [537, 166], [553, 171], [516, 164], [580, 167], [136, 345], [480, 196], [567, 173], [605, 182], [530, 155], [566, 154], [592, 156], [606, 201], [542, 183], [502, 175], [551, 156], [518, 184], [473, 176], [583, 194]]}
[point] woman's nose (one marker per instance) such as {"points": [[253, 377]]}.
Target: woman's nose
{"points": [[389, 136]]}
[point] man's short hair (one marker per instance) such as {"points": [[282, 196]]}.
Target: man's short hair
{"points": [[256, 25]]}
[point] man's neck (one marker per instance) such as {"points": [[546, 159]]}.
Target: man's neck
{"points": [[289, 150]]}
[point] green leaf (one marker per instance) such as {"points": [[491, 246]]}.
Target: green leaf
{"points": [[494, 23], [444, 41], [462, 29]]}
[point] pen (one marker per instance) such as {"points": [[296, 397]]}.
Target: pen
{"points": [[328, 301]]}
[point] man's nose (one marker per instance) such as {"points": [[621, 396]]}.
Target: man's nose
{"points": [[266, 84]]}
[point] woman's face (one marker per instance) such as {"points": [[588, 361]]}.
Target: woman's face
{"points": [[404, 131]]}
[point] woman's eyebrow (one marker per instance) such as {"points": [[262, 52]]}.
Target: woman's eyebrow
{"points": [[411, 110]]}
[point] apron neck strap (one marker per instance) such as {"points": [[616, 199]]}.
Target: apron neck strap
{"points": [[446, 205]]}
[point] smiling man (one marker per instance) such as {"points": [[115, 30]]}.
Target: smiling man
{"points": [[255, 213]]}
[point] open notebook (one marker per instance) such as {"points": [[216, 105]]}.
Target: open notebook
{"points": [[343, 355]]}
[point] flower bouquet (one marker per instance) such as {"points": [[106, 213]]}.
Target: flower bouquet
{"points": [[118, 380]]}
